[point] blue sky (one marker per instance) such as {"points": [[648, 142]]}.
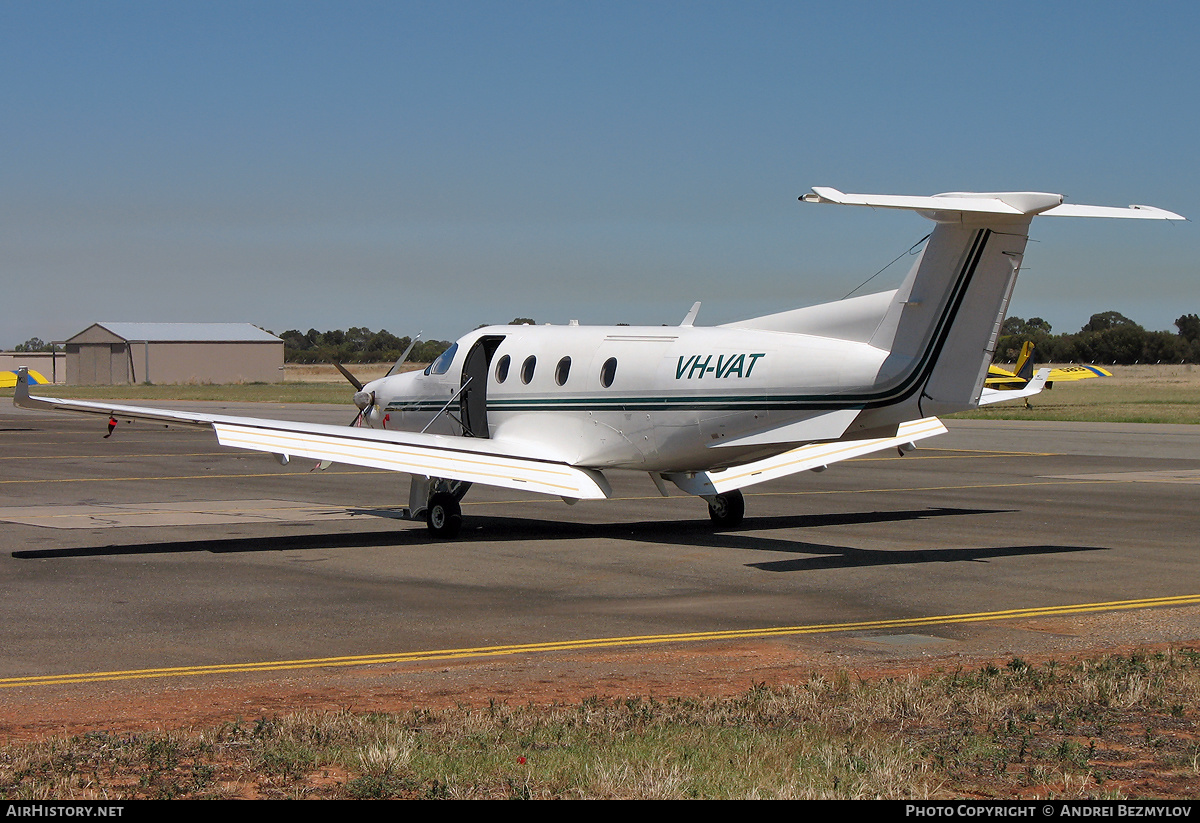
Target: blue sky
{"points": [[435, 166]]}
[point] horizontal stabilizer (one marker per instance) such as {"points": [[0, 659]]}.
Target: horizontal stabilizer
{"points": [[1015, 203], [813, 456]]}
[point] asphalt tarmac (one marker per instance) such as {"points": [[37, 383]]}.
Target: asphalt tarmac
{"points": [[157, 548]]}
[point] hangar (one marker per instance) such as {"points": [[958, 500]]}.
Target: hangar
{"points": [[115, 353]]}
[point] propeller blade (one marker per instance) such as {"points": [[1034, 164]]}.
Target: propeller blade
{"points": [[354, 381], [396, 368]]}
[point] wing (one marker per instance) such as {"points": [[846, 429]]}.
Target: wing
{"points": [[812, 456], [8, 379], [1068, 373], [476, 460], [997, 376]]}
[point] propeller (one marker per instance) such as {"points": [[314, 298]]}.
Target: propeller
{"points": [[354, 381], [362, 399]]}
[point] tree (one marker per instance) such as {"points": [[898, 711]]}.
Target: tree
{"points": [[1016, 332], [1189, 327], [36, 344], [1108, 320], [1012, 325], [1015, 326]]}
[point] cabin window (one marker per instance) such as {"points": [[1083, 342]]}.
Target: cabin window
{"points": [[442, 364], [502, 368], [608, 372], [563, 370], [527, 368]]}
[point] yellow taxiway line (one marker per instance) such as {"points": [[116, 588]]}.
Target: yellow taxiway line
{"points": [[595, 643]]}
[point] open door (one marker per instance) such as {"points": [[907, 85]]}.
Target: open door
{"points": [[473, 400]]}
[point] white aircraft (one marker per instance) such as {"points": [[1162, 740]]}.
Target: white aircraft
{"points": [[711, 410]]}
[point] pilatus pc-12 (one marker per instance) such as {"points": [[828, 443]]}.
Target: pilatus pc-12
{"points": [[711, 410]]}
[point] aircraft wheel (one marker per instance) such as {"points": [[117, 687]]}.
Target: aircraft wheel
{"points": [[728, 509], [444, 516]]}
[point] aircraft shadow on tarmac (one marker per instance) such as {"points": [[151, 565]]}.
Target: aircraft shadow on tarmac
{"points": [[805, 556]]}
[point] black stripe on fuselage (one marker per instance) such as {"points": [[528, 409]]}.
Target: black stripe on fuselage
{"points": [[937, 340]]}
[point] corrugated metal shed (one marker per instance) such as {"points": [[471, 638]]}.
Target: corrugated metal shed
{"points": [[190, 332], [109, 353]]}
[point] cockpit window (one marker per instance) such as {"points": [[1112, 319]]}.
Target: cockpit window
{"points": [[442, 364]]}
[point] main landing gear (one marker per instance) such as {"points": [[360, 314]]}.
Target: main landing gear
{"points": [[444, 516], [727, 510], [436, 501]]}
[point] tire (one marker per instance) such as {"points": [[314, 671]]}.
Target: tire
{"points": [[444, 516], [728, 509]]}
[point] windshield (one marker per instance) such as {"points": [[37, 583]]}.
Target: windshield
{"points": [[442, 364]]}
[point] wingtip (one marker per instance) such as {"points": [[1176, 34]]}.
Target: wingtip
{"points": [[21, 390]]}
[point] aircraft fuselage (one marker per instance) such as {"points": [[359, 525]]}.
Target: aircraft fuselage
{"points": [[654, 398]]}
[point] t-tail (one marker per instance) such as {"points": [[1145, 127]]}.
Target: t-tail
{"points": [[944, 320]]}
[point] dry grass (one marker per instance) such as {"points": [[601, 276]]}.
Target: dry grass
{"points": [[1134, 394], [1111, 727], [301, 384]]}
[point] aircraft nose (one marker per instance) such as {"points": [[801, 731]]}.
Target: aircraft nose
{"points": [[363, 399]]}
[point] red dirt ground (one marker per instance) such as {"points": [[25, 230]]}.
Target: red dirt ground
{"points": [[716, 669]]}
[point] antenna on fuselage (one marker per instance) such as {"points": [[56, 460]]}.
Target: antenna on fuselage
{"points": [[691, 315]]}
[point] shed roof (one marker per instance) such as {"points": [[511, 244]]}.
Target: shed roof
{"points": [[190, 332]]}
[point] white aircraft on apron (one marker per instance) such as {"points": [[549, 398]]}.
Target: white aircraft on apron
{"points": [[711, 410]]}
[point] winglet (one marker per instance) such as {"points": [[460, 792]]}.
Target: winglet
{"points": [[1039, 381], [21, 390]]}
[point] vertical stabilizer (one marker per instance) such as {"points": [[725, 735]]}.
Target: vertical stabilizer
{"points": [[1024, 367], [942, 327], [943, 323]]}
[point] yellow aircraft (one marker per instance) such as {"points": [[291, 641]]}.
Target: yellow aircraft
{"points": [[1022, 372], [8, 379]]}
